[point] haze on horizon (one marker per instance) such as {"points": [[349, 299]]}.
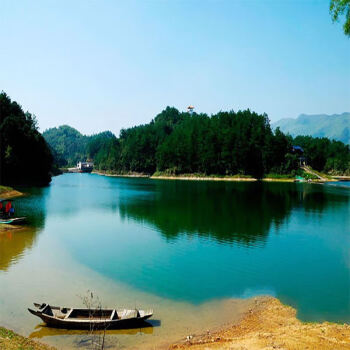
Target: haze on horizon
{"points": [[109, 65]]}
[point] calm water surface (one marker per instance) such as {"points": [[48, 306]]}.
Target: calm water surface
{"points": [[184, 248]]}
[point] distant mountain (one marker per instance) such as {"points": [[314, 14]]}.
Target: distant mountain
{"points": [[336, 126], [70, 146]]}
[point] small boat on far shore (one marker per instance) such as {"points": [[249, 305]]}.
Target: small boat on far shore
{"points": [[83, 318]]}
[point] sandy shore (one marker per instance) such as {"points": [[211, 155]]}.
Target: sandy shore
{"points": [[267, 325], [189, 177], [204, 178], [342, 178], [268, 179], [9, 192], [119, 175], [271, 325]]}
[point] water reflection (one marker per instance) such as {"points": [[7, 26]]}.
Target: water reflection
{"points": [[71, 194], [15, 240], [33, 205], [42, 331], [13, 244], [239, 212], [199, 241]]}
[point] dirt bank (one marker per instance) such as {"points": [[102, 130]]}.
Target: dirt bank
{"points": [[195, 177], [271, 325], [9, 192], [203, 178], [10, 340], [105, 173]]}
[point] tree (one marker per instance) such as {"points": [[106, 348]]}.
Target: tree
{"points": [[25, 157], [226, 143], [339, 8]]}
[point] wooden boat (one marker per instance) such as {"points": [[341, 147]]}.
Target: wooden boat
{"points": [[12, 221], [74, 318]]}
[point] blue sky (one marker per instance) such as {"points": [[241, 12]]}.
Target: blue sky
{"points": [[98, 65]]}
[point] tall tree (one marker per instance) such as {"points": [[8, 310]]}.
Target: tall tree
{"points": [[340, 8], [25, 157]]}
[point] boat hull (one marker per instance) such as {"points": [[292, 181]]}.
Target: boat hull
{"points": [[13, 221], [93, 323], [104, 324]]}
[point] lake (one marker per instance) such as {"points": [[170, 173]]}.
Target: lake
{"points": [[191, 250]]}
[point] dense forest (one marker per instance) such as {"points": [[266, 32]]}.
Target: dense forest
{"points": [[70, 146], [227, 143], [323, 154], [25, 157]]}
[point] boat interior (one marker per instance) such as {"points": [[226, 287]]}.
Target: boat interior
{"points": [[90, 314]]}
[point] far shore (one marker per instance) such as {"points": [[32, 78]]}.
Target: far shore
{"points": [[236, 178], [202, 178], [341, 178], [104, 173]]}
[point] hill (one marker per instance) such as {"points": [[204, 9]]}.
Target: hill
{"points": [[175, 143], [227, 143], [336, 126], [70, 146]]}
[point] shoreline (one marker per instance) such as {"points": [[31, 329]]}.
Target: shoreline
{"points": [[190, 177], [102, 173], [201, 178], [269, 324], [8, 192], [341, 178], [10, 340]]}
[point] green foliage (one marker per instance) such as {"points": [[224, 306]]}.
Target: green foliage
{"points": [[339, 8], [324, 154], [24, 154], [227, 143], [280, 176], [5, 189], [224, 144], [170, 172], [69, 146], [308, 176]]}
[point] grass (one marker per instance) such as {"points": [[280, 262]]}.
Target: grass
{"points": [[4, 189], [6, 333], [309, 176], [280, 176], [9, 340], [322, 174]]}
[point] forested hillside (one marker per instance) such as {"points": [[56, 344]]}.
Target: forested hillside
{"points": [[336, 126], [69, 146], [25, 157], [226, 143]]}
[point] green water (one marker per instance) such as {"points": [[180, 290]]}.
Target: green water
{"points": [[177, 246]]}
